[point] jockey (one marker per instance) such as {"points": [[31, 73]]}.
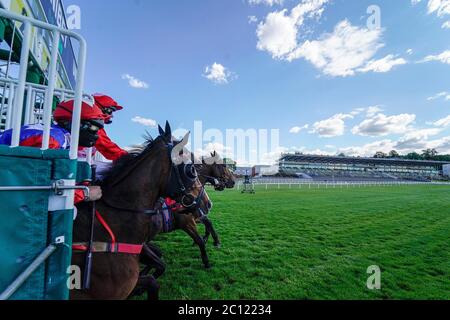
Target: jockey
{"points": [[92, 120], [110, 150], [104, 145]]}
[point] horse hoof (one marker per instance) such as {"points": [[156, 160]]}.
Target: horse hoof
{"points": [[207, 266], [218, 245]]}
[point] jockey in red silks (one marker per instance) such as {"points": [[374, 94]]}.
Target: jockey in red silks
{"points": [[104, 145], [92, 120], [108, 148]]}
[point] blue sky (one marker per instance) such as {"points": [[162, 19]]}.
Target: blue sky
{"points": [[314, 69]]}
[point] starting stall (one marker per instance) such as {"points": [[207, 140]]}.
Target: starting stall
{"points": [[37, 184]]}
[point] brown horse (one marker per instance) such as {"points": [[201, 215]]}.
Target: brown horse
{"points": [[130, 192], [214, 171], [210, 171]]}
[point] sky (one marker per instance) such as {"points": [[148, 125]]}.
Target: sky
{"points": [[333, 76]]}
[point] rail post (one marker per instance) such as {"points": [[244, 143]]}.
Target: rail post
{"points": [[18, 103]]}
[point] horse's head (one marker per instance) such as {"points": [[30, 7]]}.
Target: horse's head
{"points": [[183, 184], [157, 170], [217, 172]]}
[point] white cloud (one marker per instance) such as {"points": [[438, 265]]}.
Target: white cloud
{"points": [[296, 130], [383, 65], [134, 82], [445, 122], [357, 111], [444, 94], [416, 140], [440, 7], [218, 74], [382, 125], [252, 19], [145, 122], [223, 150], [332, 127], [444, 57], [412, 142], [368, 150], [342, 52], [277, 34], [266, 2], [371, 111]]}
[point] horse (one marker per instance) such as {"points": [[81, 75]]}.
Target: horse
{"points": [[209, 171], [170, 219], [131, 190], [214, 171]]}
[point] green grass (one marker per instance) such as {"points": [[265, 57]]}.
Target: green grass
{"points": [[318, 244]]}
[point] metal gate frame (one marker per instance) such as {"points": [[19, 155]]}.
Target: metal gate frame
{"points": [[16, 121], [15, 117]]}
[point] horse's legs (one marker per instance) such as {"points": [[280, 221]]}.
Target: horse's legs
{"points": [[209, 230], [147, 284], [191, 230], [156, 250], [152, 260]]}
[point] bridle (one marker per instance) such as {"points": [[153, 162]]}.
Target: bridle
{"points": [[181, 186], [196, 202], [218, 183]]}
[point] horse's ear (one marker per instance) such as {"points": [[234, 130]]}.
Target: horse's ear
{"points": [[213, 154], [168, 131], [161, 131]]}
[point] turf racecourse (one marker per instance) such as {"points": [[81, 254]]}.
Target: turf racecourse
{"points": [[318, 244]]}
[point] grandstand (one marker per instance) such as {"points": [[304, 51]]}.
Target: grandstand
{"points": [[329, 168]]}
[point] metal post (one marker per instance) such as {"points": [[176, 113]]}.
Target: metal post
{"points": [[18, 105], [28, 108], [48, 104], [27, 273], [11, 98], [76, 117], [32, 117], [7, 67]]}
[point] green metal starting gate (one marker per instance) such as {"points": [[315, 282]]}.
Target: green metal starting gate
{"points": [[37, 186]]}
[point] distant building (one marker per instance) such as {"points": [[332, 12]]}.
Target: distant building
{"points": [[243, 171], [446, 170], [338, 168], [265, 170]]}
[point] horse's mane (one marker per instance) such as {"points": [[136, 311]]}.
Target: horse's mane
{"points": [[134, 155]]}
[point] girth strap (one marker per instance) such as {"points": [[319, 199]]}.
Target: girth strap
{"points": [[106, 247]]}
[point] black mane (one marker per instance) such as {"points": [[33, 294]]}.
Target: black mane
{"points": [[130, 159]]}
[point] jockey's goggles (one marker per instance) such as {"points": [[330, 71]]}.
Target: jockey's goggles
{"points": [[92, 125]]}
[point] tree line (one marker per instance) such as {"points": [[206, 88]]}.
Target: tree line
{"points": [[428, 154]]}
